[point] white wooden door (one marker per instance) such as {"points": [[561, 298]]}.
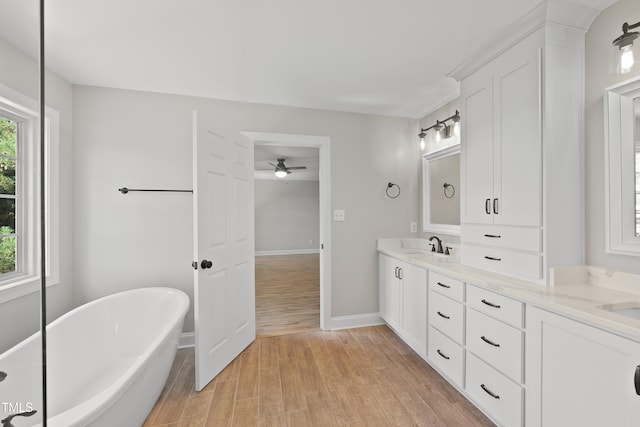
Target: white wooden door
{"points": [[518, 136], [477, 147], [579, 375], [224, 281]]}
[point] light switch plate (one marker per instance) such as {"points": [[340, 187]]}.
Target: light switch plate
{"points": [[414, 227], [338, 215]]}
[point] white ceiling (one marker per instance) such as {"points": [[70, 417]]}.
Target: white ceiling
{"points": [[386, 57]]}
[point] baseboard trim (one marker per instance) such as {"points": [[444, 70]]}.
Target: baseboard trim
{"points": [[288, 252], [356, 321], [187, 339]]}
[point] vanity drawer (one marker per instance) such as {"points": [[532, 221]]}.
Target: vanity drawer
{"points": [[447, 316], [524, 239], [494, 342], [520, 264], [500, 397], [502, 308], [452, 288], [446, 355]]}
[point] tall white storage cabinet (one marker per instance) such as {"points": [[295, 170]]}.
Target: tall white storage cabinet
{"points": [[522, 145]]}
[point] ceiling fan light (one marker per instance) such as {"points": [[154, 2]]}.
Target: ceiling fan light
{"points": [[281, 173]]}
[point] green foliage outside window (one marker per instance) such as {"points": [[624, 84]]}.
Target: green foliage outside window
{"points": [[8, 143]]}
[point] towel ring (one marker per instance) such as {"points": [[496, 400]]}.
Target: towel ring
{"points": [[449, 193], [392, 194]]}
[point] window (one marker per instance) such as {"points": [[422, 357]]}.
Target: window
{"points": [[20, 194]]}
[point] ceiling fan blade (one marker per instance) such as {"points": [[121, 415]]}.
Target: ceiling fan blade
{"points": [[296, 167], [272, 164]]}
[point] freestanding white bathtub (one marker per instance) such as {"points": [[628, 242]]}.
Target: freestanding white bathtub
{"points": [[107, 361]]}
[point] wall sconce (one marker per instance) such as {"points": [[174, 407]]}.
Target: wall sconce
{"points": [[442, 129], [625, 55]]}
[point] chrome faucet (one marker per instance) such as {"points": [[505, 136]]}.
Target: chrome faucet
{"points": [[433, 247]]}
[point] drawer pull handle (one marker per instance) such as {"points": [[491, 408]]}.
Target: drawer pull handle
{"points": [[493, 236], [489, 392], [636, 380], [491, 258], [443, 285], [443, 315], [490, 304], [488, 341], [443, 355]]}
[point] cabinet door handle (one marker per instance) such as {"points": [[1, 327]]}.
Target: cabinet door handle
{"points": [[490, 304], [636, 380], [443, 285], [444, 356], [493, 236], [491, 258], [400, 273], [443, 315], [488, 341], [487, 209], [489, 392], [495, 206], [396, 273]]}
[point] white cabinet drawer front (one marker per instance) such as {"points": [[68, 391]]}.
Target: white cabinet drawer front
{"points": [[520, 264], [494, 342], [447, 316], [492, 391], [503, 308], [446, 355], [521, 238], [453, 288]]}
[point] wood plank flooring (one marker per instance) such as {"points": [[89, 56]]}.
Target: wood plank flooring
{"points": [[357, 377], [287, 294]]}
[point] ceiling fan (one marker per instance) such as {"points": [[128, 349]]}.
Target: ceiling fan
{"points": [[282, 170]]}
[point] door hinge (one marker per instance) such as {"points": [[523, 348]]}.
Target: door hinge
{"points": [[194, 264], [321, 245]]}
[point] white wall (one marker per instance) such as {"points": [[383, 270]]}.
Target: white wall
{"points": [[21, 317], [287, 215], [140, 139], [606, 27]]}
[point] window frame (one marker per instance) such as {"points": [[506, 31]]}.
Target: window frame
{"points": [[26, 279]]}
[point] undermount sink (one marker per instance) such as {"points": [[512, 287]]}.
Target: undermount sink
{"points": [[627, 309]]}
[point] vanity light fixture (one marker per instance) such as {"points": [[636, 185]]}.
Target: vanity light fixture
{"points": [[442, 129], [625, 55]]}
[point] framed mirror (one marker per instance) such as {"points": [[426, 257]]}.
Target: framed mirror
{"points": [[622, 167], [441, 191]]}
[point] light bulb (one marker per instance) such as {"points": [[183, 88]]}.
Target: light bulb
{"points": [[438, 136], [281, 173], [626, 58], [422, 144], [456, 128]]}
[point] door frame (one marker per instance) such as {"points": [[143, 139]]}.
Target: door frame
{"points": [[323, 144]]}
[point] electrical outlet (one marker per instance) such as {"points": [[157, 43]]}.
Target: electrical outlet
{"points": [[338, 215], [414, 227]]}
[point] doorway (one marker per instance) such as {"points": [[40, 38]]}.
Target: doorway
{"points": [[306, 263]]}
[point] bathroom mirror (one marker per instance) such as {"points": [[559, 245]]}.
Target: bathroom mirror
{"points": [[622, 167], [441, 191]]}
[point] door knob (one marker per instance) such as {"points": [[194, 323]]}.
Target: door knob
{"points": [[206, 264]]}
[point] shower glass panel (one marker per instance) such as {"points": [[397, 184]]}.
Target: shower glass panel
{"points": [[21, 401]]}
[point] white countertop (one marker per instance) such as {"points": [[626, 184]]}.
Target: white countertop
{"points": [[577, 292]]}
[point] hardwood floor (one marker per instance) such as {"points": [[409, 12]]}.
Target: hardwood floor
{"points": [[357, 377], [287, 294]]}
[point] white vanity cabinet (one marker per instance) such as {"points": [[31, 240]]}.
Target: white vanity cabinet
{"points": [[446, 326], [495, 354], [521, 147], [579, 375], [403, 300]]}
